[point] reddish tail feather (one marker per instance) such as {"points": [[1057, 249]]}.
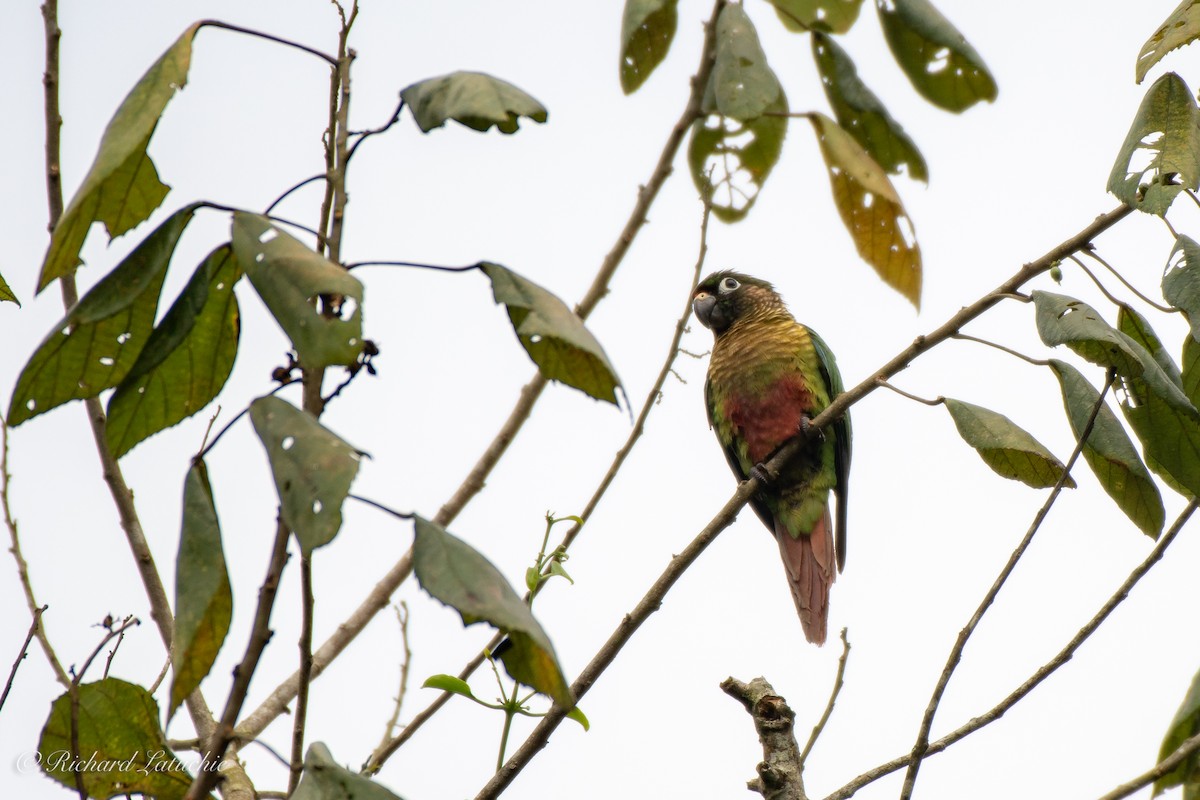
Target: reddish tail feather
{"points": [[809, 562]]}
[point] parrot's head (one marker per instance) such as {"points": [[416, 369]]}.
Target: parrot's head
{"points": [[725, 297]]}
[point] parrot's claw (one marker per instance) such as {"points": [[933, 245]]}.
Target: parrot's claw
{"points": [[806, 426], [759, 472]]}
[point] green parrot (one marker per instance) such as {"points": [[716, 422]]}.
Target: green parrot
{"points": [[767, 378]]}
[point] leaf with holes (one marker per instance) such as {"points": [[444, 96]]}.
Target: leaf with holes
{"points": [[553, 335], [458, 575], [122, 748], [647, 30], [830, 16], [742, 85], [1065, 320], [862, 115], [1181, 281], [289, 277], [730, 160], [871, 209], [1161, 153], [1110, 453], [1008, 449], [473, 99], [203, 601], [1185, 725], [313, 469], [98, 341], [186, 360], [1182, 27], [938, 60], [122, 187], [326, 779]]}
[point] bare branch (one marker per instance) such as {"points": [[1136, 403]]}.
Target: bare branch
{"points": [[306, 658], [922, 743], [1039, 675], [12, 673], [838, 681], [113, 632], [781, 772], [1187, 748]]}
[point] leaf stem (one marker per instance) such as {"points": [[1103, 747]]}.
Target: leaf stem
{"points": [[936, 402], [215, 23], [966, 337]]}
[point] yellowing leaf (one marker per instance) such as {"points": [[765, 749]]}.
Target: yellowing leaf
{"points": [[647, 29], [1182, 27], [122, 187], [473, 99], [871, 209], [1008, 449]]}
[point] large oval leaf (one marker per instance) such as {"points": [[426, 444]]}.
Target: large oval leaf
{"points": [[1161, 153], [647, 29], [1181, 281], [186, 360], [742, 85], [313, 469], [1110, 453], [203, 600], [289, 277], [456, 574], [870, 209], [1182, 27], [831, 16], [553, 335], [98, 341], [122, 187], [938, 60], [862, 115], [473, 99], [122, 749], [326, 779], [1008, 449]]}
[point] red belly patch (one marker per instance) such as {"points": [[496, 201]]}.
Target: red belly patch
{"points": [[767, 421]]}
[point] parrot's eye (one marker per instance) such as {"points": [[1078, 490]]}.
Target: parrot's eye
{"points": [[728, 285]]}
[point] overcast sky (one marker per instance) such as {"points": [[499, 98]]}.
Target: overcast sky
{"points": [[930, 525]]}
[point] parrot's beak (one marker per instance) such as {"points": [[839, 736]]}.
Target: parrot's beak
{"points": [[703, 305]]}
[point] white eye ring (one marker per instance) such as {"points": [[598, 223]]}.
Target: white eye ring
{"points": [[729, 285]]}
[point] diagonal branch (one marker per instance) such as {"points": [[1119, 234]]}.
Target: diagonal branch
{"points": [[1186, 749], [922, 742]]}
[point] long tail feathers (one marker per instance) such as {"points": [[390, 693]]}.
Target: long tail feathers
{"points": [[809, 562]]}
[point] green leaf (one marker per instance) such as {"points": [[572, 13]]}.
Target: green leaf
{"points": [[647, 29], [6, 294], [730, 160], [1137, 327], [862, 115], [325, 779], [1008, 449], [871, 209], [1185, 725], [556, 568], [1065, 320], [458, 575], [313, 469], [94, 346], [830, 16], [941, 64], [289, 277], [1161, 152], [186, 360], [203, 600], [1182, 27], [122, 187], [1110, 453], [448, 683], [553, 335], [579, 717], [473, 99], [1181, 281], [122, 749], [742, 85]]}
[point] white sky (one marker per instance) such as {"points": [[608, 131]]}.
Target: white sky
{"points": [[930, 525]]}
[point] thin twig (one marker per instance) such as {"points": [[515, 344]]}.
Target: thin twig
{"points": [[838, 681], [922, 742], [394, 720], [1092, 254], [301, 713], [1037, 362], [1039, 675], [208, 447], [386, 509], [367, 134], [12, 673], [162, 674], [260, 635], [287, 192], [1186, 749], [925, 401], [213, 23], [113, 633], [380, 594], [1103, 290], [414, 264]]}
